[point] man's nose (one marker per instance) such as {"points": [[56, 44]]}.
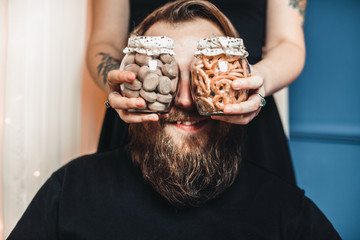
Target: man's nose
{"points": [[183, 97]]}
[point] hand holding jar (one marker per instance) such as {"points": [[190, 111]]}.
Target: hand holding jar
{"points": [[222, 82], [151, 60], [146, 83]]}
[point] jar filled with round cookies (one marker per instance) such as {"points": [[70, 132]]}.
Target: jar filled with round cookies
{"points": [[219, 61], [152, 60]]}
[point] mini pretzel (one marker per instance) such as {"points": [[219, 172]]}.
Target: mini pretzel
{"points": [[218, 78], [236, 74], [201, 89], [220, 101], [235, 65], [209, 73], [200, 80], [205, 104], [238, 96], [244, 66], [205, 78], [207, 63], [237, 70], [222, 87]]}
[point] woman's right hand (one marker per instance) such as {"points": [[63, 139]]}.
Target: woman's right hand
{"points": [[122, 104]]}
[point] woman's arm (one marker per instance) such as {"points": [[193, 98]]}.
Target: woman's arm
{"points": [[283, 61], [110, 23], [284, 52], [108, 38]]}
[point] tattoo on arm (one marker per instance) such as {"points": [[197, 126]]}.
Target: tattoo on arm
{"points": [[107, 64], [300, 5]]}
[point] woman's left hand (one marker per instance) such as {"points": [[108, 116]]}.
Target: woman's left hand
{"points": [[244, 112]]}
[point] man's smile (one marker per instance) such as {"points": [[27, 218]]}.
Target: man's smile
{"points": [[190, 124]]}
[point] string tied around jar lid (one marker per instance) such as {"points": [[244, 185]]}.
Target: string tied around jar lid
{"points": [[221, 45], [230, 46], [150, 45]]}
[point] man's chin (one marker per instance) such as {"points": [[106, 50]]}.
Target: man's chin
{"points": [[185, 135]]}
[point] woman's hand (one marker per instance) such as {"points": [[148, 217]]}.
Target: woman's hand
{"points": [[122, 104], [241, 113], [244, 112]]}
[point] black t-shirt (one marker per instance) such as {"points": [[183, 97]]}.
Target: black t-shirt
{"points": [[103, 196]]}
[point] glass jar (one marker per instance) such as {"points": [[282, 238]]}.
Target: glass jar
{"points": [[218, 62], [152, 60]]}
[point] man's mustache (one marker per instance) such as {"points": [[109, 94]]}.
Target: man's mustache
{"points": [[177, 114]]}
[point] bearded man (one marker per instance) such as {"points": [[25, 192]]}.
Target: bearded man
{"points": [[181, 177]]}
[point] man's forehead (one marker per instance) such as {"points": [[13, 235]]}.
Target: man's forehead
{"points": [[199, 27]]}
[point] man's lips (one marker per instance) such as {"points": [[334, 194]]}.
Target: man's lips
{"points": [[189, 124]]}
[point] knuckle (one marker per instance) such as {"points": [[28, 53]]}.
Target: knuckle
{"points": [[122, 75], [132, 103], [124, 115], [111, 101], [246, 121], [256, 79], [238, 108], [127, 103], [126, 120], [241, 122], [241, 107], [108, 76]]}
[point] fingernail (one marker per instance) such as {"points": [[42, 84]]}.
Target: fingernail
{"points": [[130, 76], [139, 102], [151, 118]]}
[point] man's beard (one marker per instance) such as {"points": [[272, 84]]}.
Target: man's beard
{"points": [[191, 173]]}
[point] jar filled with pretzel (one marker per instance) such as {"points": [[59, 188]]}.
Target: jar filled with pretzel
{"points": [[219, 61], [152, 60]]}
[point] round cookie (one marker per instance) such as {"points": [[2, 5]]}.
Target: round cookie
{"points": [[166, 58], [150, 82], [129, 59], [135, 85], [132, 68], [164, 98], [157, 71], [164, 86], [170, 70], [130, 93], [159, 63], [143, 71], [148, 96], [156, 106], [142, 59]]}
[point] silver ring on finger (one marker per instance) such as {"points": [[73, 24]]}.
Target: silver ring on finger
{"points": [[262, 100], [107, 104]]}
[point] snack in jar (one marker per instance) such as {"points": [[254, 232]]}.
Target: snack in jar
{"points": [[152, 60], [219, 61]]}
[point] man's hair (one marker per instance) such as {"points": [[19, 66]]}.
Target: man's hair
{"points": [[187, 10]]}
